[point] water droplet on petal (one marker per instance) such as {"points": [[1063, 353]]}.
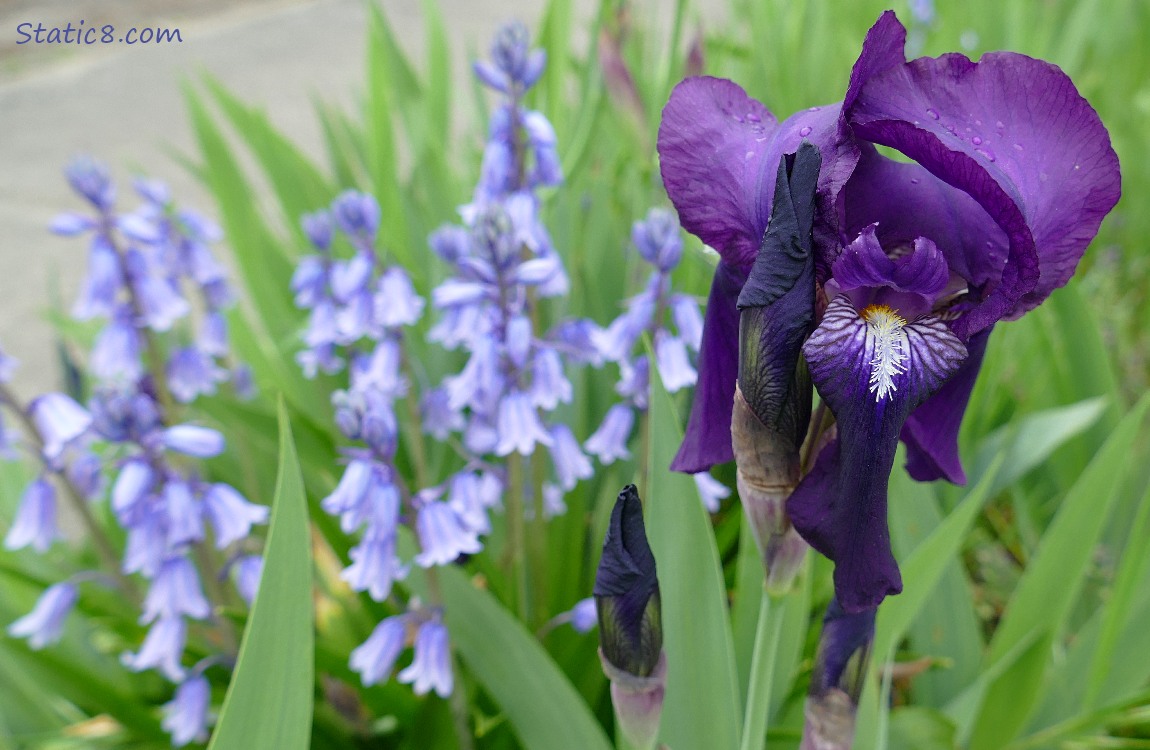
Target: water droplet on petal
{"points": [[987, 153], [999, 125], [933, 114], [752, 117], [976, 141], [913, 180], [805, 131], [1018, 147], [813, 109]]}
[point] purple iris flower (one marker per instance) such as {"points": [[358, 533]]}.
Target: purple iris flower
{"points": [[907, 268], [838, 677]]}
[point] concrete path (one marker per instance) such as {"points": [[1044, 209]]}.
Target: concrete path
{"points": [[123, 105]]}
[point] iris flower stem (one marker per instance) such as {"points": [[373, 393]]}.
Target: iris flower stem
{"points": [[104, 548], [763, 658], [457, 701], [517, 534]]}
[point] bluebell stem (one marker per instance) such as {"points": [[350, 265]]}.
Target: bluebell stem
{"points": [[837, 678], [630, 623]]}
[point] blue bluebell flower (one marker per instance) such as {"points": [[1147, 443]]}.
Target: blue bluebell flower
{"points": [[248, 570], [443, 535], [193, 440], [162, 649], [609, 442], [375, 658], [175, 592], [59, 420], [230, 514], [186, 715], [431, 668], [184, 513], [45, 623], [711, 491], [35, 522], [571, 465], [116, 353], [192, 372]]}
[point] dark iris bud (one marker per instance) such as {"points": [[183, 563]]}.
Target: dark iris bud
{"points": [[627, 591], [773, 393]]}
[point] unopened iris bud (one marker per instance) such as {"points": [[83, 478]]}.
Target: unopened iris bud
{"points": [[837, 679], [773, 393], [630, 623]]}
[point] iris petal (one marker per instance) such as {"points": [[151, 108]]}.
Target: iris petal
{"points": [[872, 369], [707, 440], [1014, 134]]}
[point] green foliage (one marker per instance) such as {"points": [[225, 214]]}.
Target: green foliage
{"points": [[269, 700]]}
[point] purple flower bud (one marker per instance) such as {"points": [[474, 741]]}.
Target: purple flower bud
{"points": [[583, 616], [635, 381], [142, 226], [84, 474], [553, 505], [512, 56], [45, 623], [59, 420], [192, 372], [186, 715], [658, 240], [116, 353], [688, 321], [103, 281], [162, 649], [439, 419], [243, 383], [132, 485], [711, 491], [161, 304], [519, 426], [375, 658], [609, 442], [213, 338], [90, 179], [317, 227], [230, 514], [174, 592], [192, 440], [147, 544], [248, 570], [451, 243], [518, 340], [442, 535], [68, 224], [578, 337], [309, 282], [674, 367], [396, 303], [431, 668], [153, 191], [357, 214], [349, 278]]}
